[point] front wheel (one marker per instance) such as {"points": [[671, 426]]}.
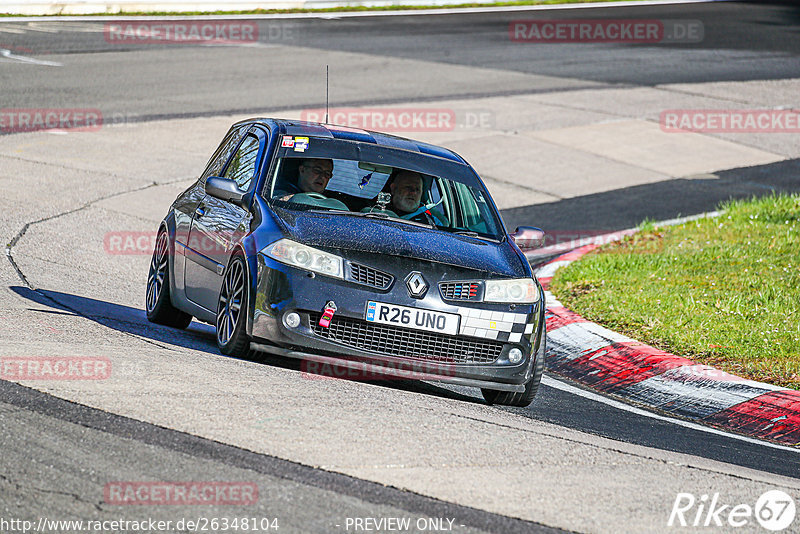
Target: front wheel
{"points": [[232, 308], [158, 304]]}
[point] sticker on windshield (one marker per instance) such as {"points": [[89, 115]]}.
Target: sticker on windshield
{"points": [[364, 180], [300, 144], [287, 141]]}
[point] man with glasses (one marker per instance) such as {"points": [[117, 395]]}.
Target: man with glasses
{"points": [[313, 176]]}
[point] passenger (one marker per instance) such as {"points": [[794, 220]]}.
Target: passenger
{"points": [[406, 188], [313, 176]]}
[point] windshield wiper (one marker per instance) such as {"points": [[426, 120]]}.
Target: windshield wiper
{"points": [[476, 235], [385, 217]]}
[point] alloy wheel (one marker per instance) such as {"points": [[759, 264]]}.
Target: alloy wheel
{"points": [[158, 271], [230, 302]]}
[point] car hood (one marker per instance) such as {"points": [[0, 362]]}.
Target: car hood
{"points": [[394, 238]]}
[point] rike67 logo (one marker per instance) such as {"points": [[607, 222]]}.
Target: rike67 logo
{"points": [[774, 510]]}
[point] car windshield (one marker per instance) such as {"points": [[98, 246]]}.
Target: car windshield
{"points": [[386, 184]]}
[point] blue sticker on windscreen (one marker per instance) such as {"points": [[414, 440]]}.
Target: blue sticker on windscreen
{"points": [[364, 180]]}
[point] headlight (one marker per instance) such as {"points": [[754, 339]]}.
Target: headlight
{"points": [[302, 256], [518, 291]]}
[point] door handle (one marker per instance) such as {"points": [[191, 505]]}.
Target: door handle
{"points": [[200, 211]]}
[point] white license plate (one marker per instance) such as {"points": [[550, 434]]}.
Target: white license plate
{"points": [[416, 318]]}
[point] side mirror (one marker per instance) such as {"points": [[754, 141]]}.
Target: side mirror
{"points": [[528, 237], [225, 189]]}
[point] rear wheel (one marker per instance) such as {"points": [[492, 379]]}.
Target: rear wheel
{"points": [[158, 304], [522, 398], [232, 310]]}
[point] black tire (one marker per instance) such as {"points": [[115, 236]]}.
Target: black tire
{"points": [[523, 398], [157, 300], [232, 306]]}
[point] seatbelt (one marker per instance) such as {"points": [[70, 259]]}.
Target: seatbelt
{"points": [[425, 209]]}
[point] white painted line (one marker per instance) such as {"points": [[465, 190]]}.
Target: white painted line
{"points": [[24, 59], [549, 269], [10, 28], [35, 27], [551, 301], [557, 384], [577, 339], [686, 373], [691, 396], [355, 14]]}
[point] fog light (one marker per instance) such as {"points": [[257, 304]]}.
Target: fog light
{"points": [[515, 355], [291, 320]]}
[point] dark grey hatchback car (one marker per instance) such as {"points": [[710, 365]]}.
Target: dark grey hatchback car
{"points": [[353, 249]]}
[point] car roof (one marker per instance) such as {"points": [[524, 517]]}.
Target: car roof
{"points": [[315, 129]]}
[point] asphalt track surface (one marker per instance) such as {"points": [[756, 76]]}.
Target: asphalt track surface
{"points": [[743, 42]]}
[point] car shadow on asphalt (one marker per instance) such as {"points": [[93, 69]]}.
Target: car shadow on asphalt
{"points": [[326, 372], [125, 319], [591, 215], [198, 336]]}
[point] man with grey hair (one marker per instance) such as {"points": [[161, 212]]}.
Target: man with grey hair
{"points": [[406, 189]]}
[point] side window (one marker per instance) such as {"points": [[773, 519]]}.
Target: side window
{"points": [[243, 165], [475, 211], [224, 151], [469, 209]]}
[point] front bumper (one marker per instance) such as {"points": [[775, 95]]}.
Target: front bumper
{"points": [[471, 360]]}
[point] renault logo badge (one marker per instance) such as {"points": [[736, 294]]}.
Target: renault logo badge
{"points": [[416, 285]]}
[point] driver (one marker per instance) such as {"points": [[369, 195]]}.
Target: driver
{"points": [[406, 189], [313, 176]]}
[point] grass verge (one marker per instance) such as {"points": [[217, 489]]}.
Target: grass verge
{"points": [[330, 9], [723, 291]]}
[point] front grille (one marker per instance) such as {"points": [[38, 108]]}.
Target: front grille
{"points": [[369, 276], [459, 290], [405, 343]]}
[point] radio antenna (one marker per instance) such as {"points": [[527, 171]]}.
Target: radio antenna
{"points": [[326, 94]]}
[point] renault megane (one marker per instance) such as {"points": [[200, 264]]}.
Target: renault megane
{"points": [[354, 248]]}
